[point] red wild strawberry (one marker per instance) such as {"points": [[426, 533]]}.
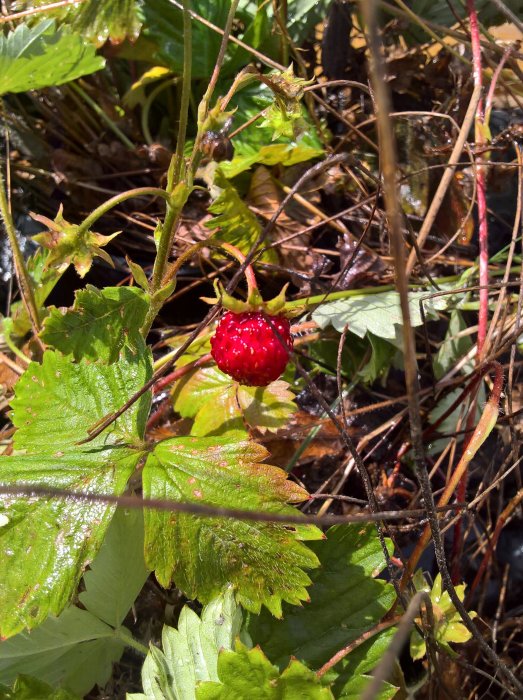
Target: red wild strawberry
{"points": [[246, 347]]}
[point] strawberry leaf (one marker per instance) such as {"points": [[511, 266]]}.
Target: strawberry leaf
{"points": [[45, 544], [218, 404], [234, 222], [99, 324], [247, 673], [35, 57], [57, 401], [28, 688], [264, 561], [99, 20], [346, 600], [190, 653]]}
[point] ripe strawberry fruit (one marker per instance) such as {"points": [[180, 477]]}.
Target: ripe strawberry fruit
{"points": [[246, 347]]}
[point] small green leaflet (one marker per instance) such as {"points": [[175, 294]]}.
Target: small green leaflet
{"points": [[99, 20], [99, 324], [35, 57], [247, 673], [190, 653], [219, 405], [378, 313], [264, 561], [77, 649]]}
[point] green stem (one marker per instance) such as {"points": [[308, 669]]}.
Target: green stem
{"points": [[186, 97], [103, 116], [118, 199], [24, 281], [125, 636]]}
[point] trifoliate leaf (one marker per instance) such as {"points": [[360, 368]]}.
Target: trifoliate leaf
{"points": [[235, 223], [247, 673], [218, 404], [378, 313], [28, 688], [99, 323], [190, 653], [69, 244], [56, 401], [35, 57], [346, 600], [263, 561]]}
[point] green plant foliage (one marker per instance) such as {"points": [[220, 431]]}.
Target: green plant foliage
{"points": [[448, 625], [247, 673], [190, 653], [234, 221], [45, 544], [28, 688], [440, 12], [378, 313], [57, 401], [263, 561], [99, 20], [218, 404], [35, 57], [99, 323], [453, 347], [77, 649], [69, 244], [345, 601]]}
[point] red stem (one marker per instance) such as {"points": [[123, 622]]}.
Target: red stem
{"points": [[481, 194]]}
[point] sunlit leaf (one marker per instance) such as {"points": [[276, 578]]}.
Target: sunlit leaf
{"points": [[40, 56], [190, 653], [99, 323], [248, 673], [219, 404], [345, 600], [99, 20], [264, 561]]}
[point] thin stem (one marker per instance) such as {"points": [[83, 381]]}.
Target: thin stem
{"points": [[24, 281], [103, 116], [186, 95], [130, 641], [106, 206]]}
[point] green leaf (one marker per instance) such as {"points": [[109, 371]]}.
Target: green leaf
{"points": [[247, 673], [234, 222], [453, 347], [75, 650], [46, 543], [57, 401], [99, 324], [378, 313], [35, 57], [29, 688], [345, 601], [99, 20], [190, 653], [448, 626], [264, 561], [118, 573], [218, 404]]}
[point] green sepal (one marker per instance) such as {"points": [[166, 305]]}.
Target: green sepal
{"points": [[254, 302], [139, 274]]}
